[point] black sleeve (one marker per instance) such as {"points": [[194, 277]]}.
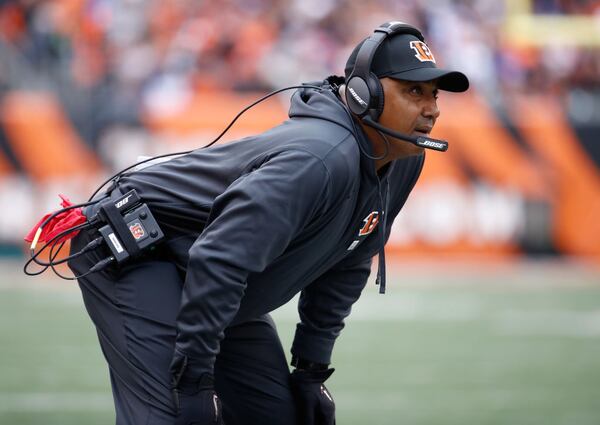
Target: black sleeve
{"points": [[323, 306], [250, 224], [327, 301]]}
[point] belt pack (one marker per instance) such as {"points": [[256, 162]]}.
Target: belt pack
{"points": [[126, 225]]}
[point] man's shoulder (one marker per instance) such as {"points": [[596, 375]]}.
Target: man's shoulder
{"points": [[328, 142], [320, 135]]}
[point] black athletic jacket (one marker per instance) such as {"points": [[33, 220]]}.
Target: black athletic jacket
{"points": [[252, 223]]}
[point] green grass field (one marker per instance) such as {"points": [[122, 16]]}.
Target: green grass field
{"points": [[446, 345]]}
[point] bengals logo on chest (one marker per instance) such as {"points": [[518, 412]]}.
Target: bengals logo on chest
{"points": [[370, 222]]}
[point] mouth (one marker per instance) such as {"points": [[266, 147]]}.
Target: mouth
{"points": [[422, 131]]}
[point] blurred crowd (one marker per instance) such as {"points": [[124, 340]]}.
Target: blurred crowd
{"points": [[112, 66], [109, 59]]}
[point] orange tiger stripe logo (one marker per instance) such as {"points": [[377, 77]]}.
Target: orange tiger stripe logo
{"points": [[370, 223], [422, 51]]}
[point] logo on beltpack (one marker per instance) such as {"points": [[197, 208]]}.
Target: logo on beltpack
{"points": [[422, 51], [122, 202], [370, 223], [137, 231]]}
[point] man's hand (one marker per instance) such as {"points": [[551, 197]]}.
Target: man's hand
{"points": [[314, 402], [196, 402]]}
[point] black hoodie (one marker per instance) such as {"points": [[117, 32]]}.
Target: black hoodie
{"points": [[252, 223]]}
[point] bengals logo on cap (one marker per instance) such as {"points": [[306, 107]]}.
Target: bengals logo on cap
{"points": [[422, 51]]}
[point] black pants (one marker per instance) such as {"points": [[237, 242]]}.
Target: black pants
{"points": [[134, 311]]}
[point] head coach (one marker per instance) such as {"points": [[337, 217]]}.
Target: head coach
{"points": [[301, 208]]}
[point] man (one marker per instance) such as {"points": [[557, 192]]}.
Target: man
{"points": [[302, 208]]}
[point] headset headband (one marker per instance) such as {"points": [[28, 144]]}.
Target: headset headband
{"points": [[364, 58]]}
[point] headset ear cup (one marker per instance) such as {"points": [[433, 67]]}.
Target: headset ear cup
{"points": [[358, 96], [377, 97]]}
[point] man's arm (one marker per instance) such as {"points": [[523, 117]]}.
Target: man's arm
{"points": [[324, 305], [327, 301], [251, 224]]}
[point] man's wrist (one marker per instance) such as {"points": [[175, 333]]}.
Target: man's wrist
{"points": [[303, 364], [186, 379], [192, 385]]}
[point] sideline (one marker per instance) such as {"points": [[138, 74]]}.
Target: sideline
{"points": [[407, 273], [56, 402]]}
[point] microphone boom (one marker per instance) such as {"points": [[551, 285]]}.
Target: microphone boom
{"points": [[422, 141]]}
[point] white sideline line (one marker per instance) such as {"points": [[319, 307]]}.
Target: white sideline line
{"points": [[449, 399], [407, 306], [58, 401], [585, 324], [417, 307]]}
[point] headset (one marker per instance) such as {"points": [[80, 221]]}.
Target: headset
{"points": [[364, 92]]}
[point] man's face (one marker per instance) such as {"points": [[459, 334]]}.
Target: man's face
{"points": [[409, 108]]}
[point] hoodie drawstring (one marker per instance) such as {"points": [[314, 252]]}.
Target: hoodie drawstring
{"points": [[383, 207]]}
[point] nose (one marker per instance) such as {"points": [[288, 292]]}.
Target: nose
{"points": [[431, 110]]}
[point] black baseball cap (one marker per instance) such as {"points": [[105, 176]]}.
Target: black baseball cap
{"points": [[406, 57]]}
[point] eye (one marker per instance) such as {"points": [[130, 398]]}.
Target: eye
{"points": [[416, 90]]}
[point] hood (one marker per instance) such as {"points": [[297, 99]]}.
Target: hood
{"points": [[325, 104], [322, 103]]}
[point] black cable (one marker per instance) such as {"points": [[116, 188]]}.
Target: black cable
{"points": [[96, 268], [215, 140], [53, 257], [103, 263], [54, 240], [374, 158], [45, 267], [34, 242], [39, 262], [387, 144], [65, 209], [51, 242], [91, 245]]}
